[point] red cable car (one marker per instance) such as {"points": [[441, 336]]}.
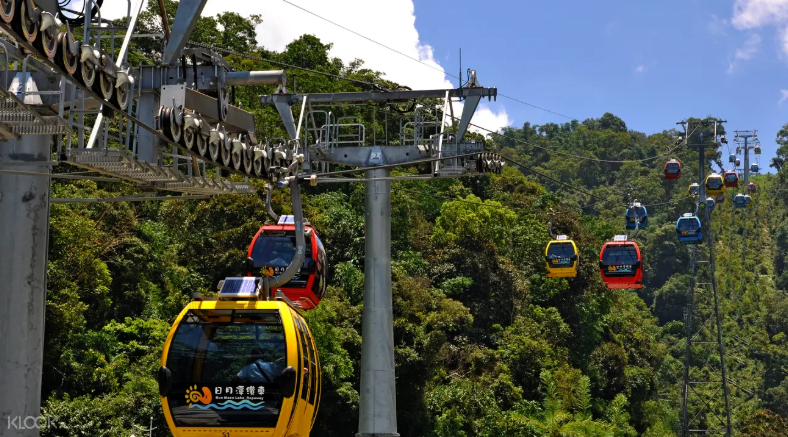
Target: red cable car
{"points": [[672, 169], [731, 179], [751, 187], [272, 250], [719, 198], [620, 263]]}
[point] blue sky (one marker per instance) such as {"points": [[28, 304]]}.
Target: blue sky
{"points": [[650, 63]]}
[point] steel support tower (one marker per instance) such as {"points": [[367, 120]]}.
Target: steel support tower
{"points": [[742, 143], [430, 136], [705, 404]]}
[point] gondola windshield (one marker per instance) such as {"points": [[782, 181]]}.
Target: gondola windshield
{"points": [[620, 260], [225, 365], [688, 226], [277, 252], [560, 254]]}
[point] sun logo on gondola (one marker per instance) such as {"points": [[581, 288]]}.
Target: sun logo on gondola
{"points": [[267, 271], [193, 396]]}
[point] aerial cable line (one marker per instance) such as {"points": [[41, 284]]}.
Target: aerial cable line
{"points": [[440, 69], [282, 64]]}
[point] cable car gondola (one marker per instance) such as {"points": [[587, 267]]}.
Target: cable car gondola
{"points": [[636, 209], [620, 263], [561, 257], [693, 189], [751, 187], [719, 198], [672, 169], [757, 150], [711, 203], [271, 251], [747, 200], [739, 201], [689, 229], [754, 167], [731, 158], [235, 364], [714, 184], [737, 163], [731, 178]]}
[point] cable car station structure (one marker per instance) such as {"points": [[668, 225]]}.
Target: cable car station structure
{"points": [[171, 128]]}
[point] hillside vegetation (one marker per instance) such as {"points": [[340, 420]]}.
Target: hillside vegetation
{"points": [[485, 344]]}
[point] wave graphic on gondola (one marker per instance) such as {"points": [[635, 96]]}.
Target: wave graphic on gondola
{"points": [[243, 405]]}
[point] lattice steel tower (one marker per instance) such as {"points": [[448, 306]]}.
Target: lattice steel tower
{"points": [[705, 404]]}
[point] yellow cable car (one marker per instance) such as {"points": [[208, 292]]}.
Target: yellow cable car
{"points": [[561, 257], [693, 189], [715, 184], [239, 365]]}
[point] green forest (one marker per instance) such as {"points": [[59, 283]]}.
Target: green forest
{"points": [[485, 343]]}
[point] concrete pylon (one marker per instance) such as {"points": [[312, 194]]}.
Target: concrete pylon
{"points": [[24, 235]]}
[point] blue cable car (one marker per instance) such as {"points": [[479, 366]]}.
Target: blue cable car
{"points": [[754, 167], [688, 229], [731, 158], [642, 216], [739, 201]]}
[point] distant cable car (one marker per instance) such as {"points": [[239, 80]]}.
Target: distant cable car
{"points": [[711, 203], [731, 158], [642, 216], [751, 187], [714, 184], [731, 178], [747, 200], [737, 164], [672, 169], [719, 198], [689, 229], [694, 189], [754, 167], [271, 251], [561, 257], [620, 263], [239, 365], [757, 150], [739, 201]]}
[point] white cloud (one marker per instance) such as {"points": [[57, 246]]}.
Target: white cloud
{"points": [[746, 52], [749, 14], [783, 97], [640, 69], [716, 25], [393, 25]]}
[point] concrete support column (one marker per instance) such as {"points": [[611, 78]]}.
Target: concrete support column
{"points": [[378, 404], [24, 233]]}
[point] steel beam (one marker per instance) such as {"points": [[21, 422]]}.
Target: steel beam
{"points": [[381, 96], [378, 396], [148, 144], [24, 228], [185, 20], [273, 77], [154, 77]]}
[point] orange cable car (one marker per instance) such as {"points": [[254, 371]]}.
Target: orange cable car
{"points": [[673, 169], [620, 263], [271, 251], [731, 178]]}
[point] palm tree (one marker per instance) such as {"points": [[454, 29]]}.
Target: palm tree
{"points": [[556, 421]]}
